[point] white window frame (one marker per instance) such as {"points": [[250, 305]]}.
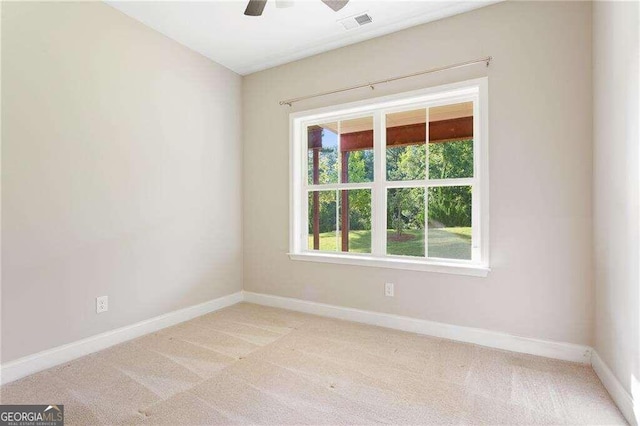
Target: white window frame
{"points": [[472, 90]]}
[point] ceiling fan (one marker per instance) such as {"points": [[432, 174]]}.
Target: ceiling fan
{"points": [[255, 7]]}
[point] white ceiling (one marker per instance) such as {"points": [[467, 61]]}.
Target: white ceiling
{"points": [[220, 31]]}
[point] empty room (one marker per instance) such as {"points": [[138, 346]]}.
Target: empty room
{"points": [[320, 212]]}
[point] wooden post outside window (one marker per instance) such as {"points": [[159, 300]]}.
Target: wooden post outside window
{"points": [[315, 145]]}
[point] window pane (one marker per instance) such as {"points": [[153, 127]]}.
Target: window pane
{"points": [[406, 145], [405, 221], [323, 218], [356, 145], [450, 222], [451, 141], [322, 153], [355, 221]]}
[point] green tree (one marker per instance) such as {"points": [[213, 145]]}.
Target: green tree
{"points": [[405, 209], [406, 162], [360, 165], [450, 206], [405, 206], [451, 159]]}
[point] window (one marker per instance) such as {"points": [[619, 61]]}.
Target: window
{"points": [[396, 182]]}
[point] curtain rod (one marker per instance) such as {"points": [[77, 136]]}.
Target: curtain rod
{"points": [[486, 60]]}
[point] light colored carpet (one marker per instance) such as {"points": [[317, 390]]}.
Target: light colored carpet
{"points": [[249, 364]]}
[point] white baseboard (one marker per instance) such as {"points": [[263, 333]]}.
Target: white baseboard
{"points": [[622, 398], [492, 339], [49, 358]]}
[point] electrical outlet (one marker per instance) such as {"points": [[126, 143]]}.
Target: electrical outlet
{"points": [[388, 289], [102, 304]]}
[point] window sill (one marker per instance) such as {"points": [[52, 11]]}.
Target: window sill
{"points": [[395, 263]]}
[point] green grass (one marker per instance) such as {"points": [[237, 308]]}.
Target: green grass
{"points": [[450, 243]]}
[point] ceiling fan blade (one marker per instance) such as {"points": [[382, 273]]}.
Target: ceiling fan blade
{"points": [[281, 4], [255, 7], [336, 5]]}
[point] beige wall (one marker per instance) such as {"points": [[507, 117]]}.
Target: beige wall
{"points": [[121, 174], [540, 166], [616, 204]]}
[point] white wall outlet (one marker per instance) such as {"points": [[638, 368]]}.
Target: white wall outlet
{"points": [[102, 304], [388, 289]]}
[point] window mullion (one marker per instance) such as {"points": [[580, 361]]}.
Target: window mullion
{"points": [[379, 234], [450, 182], [475, 223], [426, 188], [476, 243]]}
